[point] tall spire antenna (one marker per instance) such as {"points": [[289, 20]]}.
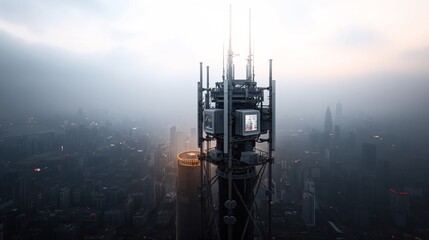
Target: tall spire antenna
{"points": [[249, 59], [230, 53], [223, 62], [253, 66]]}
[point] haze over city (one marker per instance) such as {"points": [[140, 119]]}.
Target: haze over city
{"points": [[114, 79], [117, 56]]}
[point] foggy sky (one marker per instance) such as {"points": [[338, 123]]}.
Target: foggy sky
{"points": [[141, 59]]}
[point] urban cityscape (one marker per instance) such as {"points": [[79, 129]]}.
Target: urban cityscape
{"points": [[233, 148]]}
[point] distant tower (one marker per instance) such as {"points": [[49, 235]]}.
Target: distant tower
{"points": [[173, 143], [328, 122], [188, 208], [309, 203], [327, 134], [339, 113]]}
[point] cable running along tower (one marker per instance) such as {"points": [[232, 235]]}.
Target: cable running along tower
{"points": [[235, 116]]}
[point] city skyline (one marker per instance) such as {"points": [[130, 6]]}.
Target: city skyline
{"points": [[143, 120]]}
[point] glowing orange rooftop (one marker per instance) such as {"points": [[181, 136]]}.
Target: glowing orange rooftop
{"points": [[188, 158]]}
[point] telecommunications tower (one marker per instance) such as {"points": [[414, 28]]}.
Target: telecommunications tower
{"points": [[235, 115]]}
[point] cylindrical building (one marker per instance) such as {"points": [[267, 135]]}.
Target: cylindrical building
{"points": [[188, 206]]}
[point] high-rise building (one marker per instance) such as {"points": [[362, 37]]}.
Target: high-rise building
{"points": [[399, 206], [369, 155], [173, 143], [64, 197], [20, 194], [148, 192], [308, 209], [160, 161], [328, 130], [188, 207], [193, 138], [309, 203]]}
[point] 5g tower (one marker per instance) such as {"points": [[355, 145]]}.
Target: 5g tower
{"points": [[236, 116]]}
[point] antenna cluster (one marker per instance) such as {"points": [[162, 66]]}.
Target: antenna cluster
{"points": [[250, 69], [232, 115]]}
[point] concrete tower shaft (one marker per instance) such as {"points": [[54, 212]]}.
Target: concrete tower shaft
{"points": [[188, 210]]}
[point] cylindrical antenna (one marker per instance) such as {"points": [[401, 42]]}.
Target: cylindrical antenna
{"points": [[253, 67], [223, 62], [201, 73], [208, 83], [207, 100]]}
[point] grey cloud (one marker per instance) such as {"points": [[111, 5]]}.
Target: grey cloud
{"points": [[38, 14], [36, 79]]}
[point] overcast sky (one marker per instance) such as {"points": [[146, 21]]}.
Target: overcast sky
{"points": [[142, 56]]}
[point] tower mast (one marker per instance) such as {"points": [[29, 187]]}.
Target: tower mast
{"points": [[236, 119], [249, 75]]}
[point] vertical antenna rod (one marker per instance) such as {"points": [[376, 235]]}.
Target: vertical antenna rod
{"points": [[208, 82], [228, 123], [249, 59], [223, 63], [230, 53], [200, 140]]}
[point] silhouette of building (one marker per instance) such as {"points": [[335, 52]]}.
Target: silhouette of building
{"points": [[20, 194], [328, 130], [309, 204], [64, 197], [188, 207], [369, 156], [399, 206], [173, 143]]}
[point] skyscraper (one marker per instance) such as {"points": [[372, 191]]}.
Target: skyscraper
{"points": [[328, 122], [173, 143], [308, 209], [369, 156], [328, 131], [309, 203], [188, 207], [399, 206]]}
